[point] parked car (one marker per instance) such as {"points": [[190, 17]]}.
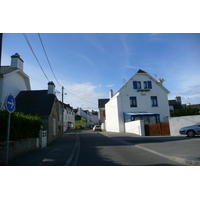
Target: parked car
{"points": [[97, 128], [190, 131]]}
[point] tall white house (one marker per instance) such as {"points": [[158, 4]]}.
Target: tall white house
{"points": [[140, 98], [13, 79]]}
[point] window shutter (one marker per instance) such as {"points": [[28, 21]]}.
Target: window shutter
{"points": [[134, 84], [149, 84]]}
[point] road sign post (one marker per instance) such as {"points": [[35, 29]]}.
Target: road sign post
{"points": [[10, 107]]}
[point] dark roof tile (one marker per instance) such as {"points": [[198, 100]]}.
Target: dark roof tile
{"points": [[35, 102]]}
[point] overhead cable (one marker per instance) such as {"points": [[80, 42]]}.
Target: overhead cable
{"points": [[35, 55], [48, 58]]}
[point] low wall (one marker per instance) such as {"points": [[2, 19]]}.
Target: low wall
{"points": [[17, 147], [176, 123], [136, 127]]}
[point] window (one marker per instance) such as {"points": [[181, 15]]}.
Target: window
{"points": [[145, 84], [154, 102], [133, 102], [136, 84]]}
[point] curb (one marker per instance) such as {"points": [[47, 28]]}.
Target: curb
{"points": [[68, 162]]}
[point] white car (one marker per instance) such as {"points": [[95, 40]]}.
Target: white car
{"points": [[190, 131], [97, 128]]}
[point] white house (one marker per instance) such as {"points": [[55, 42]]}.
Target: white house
{"points": [[68, 116], [141, 98], [13, 79]]}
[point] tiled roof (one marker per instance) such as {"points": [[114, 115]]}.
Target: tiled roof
{"points": [[102, 102], [35, 102], [141, 71]]}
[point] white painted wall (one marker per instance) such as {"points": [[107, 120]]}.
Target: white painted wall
{"points": [[120, 103], [12, 83], [136, 127], [144, 98], [176, 123], [112, 115]]}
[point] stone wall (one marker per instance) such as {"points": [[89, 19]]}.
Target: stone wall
{"points": [[18, 147]]}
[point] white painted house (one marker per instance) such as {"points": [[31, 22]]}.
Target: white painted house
{"points": [[141, 98], [13, 79]]}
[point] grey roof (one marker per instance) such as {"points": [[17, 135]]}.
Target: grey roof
{"points": [[35, 102], [102, 102], [7, 69]]}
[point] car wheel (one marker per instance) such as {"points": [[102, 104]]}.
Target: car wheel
{"points": [[191, 133]]}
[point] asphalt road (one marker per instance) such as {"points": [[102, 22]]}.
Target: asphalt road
{"points": [[95, 149]]}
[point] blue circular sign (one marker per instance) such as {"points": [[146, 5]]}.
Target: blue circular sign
{"points": [[10, 103]]}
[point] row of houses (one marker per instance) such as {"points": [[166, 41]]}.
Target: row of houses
{"points": [[57, 116]]}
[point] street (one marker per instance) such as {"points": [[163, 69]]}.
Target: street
{"points": [[96, 149]]}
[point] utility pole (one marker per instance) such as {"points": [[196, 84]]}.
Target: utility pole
{"points": [[62, 110], [1, 44]]}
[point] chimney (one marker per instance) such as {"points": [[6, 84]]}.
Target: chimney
{"points": [[51, 88], [17, 62], [111, 93]]}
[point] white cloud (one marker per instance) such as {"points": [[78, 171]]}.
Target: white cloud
{"points": [[131, 67], [110, 85], [82, 95]]}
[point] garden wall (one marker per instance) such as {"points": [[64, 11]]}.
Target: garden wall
{"points": [[176, 123], [18, 147]]}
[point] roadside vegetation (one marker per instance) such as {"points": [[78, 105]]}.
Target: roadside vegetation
{"points": [[21, 127], [185, 111]]}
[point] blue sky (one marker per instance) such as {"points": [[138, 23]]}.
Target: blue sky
{"points": [[89, 65]]}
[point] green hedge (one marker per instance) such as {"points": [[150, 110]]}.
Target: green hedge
{"points": [[21, 126]]}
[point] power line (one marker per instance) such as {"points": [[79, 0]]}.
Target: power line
{"points": [[48, 58], [35, 55], [80, 97]]}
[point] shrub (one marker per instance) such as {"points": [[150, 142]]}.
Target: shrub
{"points": [[21, 126]]}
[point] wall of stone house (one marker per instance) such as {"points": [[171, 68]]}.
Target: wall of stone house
{"points": [[176, 123], [52, 131], [18, 147]]}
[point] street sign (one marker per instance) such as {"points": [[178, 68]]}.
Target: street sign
{"points": [[10, 106], [10, 103]]}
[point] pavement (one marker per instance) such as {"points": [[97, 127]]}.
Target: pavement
{"points": [[59, 153], [63, 150]]}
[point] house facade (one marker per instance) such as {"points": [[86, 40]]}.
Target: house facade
{"points": [[141, 98], [44, 104], [68, 116], [102, 112], [13, 79]]}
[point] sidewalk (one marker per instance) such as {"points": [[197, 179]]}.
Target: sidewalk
{"points": [[178, 148], [57, 154]]}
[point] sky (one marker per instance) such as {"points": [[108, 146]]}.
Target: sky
{"points": [[88, 65]]}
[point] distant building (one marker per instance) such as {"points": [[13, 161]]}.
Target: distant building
{"points": [[175, 104], [68, 116], [102, 112]]}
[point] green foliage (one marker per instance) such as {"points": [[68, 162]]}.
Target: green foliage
{"points": [[21, 126], [185, 112]]}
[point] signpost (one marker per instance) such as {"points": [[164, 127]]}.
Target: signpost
{"points": [[10, 107]]}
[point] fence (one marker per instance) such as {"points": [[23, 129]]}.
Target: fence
{"points": [[157, 129]]}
